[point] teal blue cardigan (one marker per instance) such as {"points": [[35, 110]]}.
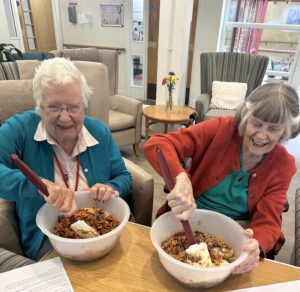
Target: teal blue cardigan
{"points": [[101, 163]]}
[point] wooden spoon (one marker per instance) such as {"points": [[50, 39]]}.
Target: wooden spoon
{"points": [[170, 182], [81, 228]]}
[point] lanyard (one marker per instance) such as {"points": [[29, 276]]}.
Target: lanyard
{"points": [[65, 175]]}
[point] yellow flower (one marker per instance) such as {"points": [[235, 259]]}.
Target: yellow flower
{"points": [[170, 80]]}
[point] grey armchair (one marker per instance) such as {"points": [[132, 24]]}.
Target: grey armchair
{"points": [[297, 229], [229, 67]]}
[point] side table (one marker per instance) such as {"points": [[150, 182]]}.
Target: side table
{"points": [[157, 114]]}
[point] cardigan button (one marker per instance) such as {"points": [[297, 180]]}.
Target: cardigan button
{"points": [[86, 170], [251, 196], [254, 175]]}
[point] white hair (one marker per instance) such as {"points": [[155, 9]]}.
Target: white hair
{"points": [[59, 71]]}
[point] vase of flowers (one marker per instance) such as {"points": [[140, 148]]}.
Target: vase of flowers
{"points": [[170, 82]]}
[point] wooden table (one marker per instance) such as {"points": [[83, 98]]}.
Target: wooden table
{"points": [[133, 265], [157, 113]]}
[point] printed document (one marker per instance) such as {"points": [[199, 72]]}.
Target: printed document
{"points": [[44, 276]]}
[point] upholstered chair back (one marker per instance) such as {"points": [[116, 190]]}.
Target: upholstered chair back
{"points": [[16, 95], [107, 57]]}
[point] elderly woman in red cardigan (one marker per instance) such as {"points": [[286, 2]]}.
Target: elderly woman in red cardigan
{"points": [[238, 166]]}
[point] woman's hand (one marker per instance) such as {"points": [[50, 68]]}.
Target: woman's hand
{"points": [[252, 260], [181, 199], [60, 198], [102, 192]]}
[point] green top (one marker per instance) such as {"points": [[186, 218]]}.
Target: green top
{"points": [[230, 196]]}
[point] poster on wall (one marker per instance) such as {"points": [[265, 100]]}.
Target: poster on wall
{"points": [[112, 15]]}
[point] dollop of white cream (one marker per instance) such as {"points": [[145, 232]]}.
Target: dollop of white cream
{"points": [[200, 251], [81, 224], [83, 229]]}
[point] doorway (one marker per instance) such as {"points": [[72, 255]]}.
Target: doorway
{"points": [[36, 21], [154, 7]]}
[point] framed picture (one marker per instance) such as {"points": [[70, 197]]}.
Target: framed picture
{"points": [[112, 15]]}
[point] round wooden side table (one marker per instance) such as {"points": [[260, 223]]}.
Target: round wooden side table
{"points": [[158, 114]]}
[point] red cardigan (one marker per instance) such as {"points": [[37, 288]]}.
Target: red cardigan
{"points": [[214, 146]]}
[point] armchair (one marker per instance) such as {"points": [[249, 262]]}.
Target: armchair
{"points": [[125, 113], [296, 251], [229, 67], [16, 97]]}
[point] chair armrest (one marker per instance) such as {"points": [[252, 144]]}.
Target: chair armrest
{"points": [[141, 199], [130, 106], [202, 106], [9, 228], [125, 104], [297, 228]]}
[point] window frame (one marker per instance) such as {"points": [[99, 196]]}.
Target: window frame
{"points": [[225, 24]]}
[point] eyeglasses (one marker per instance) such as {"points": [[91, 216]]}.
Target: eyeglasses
{"points": [[71, 109]]}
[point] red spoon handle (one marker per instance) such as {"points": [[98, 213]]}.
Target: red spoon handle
{"points": [[170, 182], [188, 232], [165, 170], [30, 174]]}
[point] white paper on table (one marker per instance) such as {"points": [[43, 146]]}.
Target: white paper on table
{"points": [[292, 286], [47, 276]]}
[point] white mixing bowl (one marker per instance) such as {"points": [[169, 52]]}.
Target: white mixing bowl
{"points": [[206, 221], [89, 248]]}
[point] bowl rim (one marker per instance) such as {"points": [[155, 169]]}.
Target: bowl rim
{"points": [[51, 235], [157, 246]]}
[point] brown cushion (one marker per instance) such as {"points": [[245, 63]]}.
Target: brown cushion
{"points": [[27, 68], [120, 121], [15, 97], [9, 228]]}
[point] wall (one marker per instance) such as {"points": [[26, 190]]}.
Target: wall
{"points": [[206, 39], [95, 34]]}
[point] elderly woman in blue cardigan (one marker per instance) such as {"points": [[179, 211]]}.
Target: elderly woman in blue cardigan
{"points": [[68, 150]]}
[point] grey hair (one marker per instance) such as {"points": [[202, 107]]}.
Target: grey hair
{"points": [[60, 71], [273, 102]]}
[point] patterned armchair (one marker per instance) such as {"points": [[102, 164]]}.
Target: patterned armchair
{"points": [[297, 228], [228, 67]]}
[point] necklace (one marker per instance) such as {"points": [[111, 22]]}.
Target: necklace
{"points": [[65, 176]]}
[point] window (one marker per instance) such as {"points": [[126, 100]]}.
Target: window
{"points": [[10, 18], [137, 20], [293, 16], [263, 27], [137, 72]]}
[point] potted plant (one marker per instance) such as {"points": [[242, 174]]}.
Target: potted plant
{"points": [[6, 52]]}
